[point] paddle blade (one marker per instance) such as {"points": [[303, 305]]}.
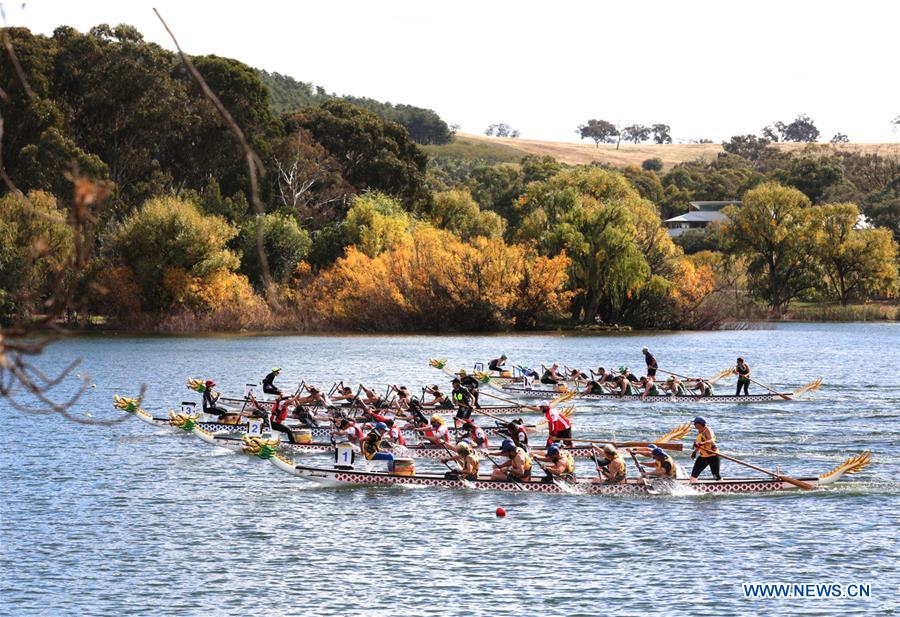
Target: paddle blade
{"points": [[563, 398], [679, 432], [721, 375], [810, 387]]}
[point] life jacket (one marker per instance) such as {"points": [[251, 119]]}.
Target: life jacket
{"points": [[595, 388], [680, 390], [462, 397], [473, 476], [371, 445], [705, 446], [660, 466], [570, 461], [396, 435], [478, 436], [441, 433], [556, 422], [280, 412], [620, 476], [653, 391], [528, 462]]}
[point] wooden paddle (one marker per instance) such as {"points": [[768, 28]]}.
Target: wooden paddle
{"points": [[772, 390], [676, 447], [798, 483]]}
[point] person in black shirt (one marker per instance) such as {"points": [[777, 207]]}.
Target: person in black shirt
{"points": [[268, 382], [498, 364], [743, 372], [471, 384], [651, 363], [463, 400]]}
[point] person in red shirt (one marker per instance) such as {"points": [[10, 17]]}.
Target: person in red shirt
{"points": [[559, 427]]}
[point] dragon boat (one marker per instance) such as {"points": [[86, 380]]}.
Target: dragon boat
{"points": [[772, 397], [348, 476], [238, 404]]}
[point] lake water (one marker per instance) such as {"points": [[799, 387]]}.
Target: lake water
{"points": [[133, 520]]}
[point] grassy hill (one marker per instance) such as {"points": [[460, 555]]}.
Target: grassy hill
{"points": [[500, 149]]}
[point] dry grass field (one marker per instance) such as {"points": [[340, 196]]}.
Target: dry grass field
{"points": [[499, 149]]}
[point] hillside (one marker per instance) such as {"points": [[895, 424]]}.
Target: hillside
{"points": [[498, 149]]}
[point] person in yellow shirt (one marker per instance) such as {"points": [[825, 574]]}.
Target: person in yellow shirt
{"points": [[706, 452]]}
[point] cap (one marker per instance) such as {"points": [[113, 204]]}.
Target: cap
{"points": [[623, 369], [462, 371], [210, 383], [656, 451], [644, 350], [553, 450], [699, 420], [276, 369], [503, 355], [507, 445], [380, 427]]}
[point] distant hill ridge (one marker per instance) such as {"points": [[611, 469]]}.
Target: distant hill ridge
{"points": [[286, 95]]}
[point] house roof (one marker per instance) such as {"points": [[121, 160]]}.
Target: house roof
{"points": [[701, 216], [714, 206]]}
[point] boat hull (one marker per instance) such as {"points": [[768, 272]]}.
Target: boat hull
{"points": [[353, 477], [717, 398]]}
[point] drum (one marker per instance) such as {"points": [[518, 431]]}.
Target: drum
{"points": [[302, 435], [404, 467], [506, 374]]}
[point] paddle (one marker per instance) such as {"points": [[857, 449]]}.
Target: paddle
{"points": [[516, 482], [459, 471], [772, 390], [643, 473], [798, 483], [676, 447]]}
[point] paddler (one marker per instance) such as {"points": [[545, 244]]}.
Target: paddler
{"points": [[467, 459], [373, 449], [673, 386], [475, 434], [575, 375], [651, 362], [316, 398], [498, 364], [706, 452], [662, 466], [439, 400], [517, 466], [610, 470], [470, 383], [742, 370], [594, 386], [649, 386], [351, 430], [551, 375], [561, 463], [437, 431], [516, 431], [622, 386], [463, 399], [559, 427], [279, 415], [393, 433], [371, 398], [344, 395], [626, 372], [268, 382], [210, 398]]}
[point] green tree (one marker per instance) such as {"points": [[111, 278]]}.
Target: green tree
{"points": [[373, 153], [654, 164], [285, 244], [376, 222], [165, 236], [35, 247], [773, 230], [456, 211], [636, 133], [857, 262], [601, 131], [661, 133], [812, 175]]}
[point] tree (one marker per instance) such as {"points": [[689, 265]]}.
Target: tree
{"points": [[857, 262], [801, 129], [168, 243], [456, 211], [840, 138], [284, 242], [812, 175], [601, 131], [636, 133], [373, 153], [750, 147], [375, 223], [654, 164], [661, 133], [773, 230], [882, 208]]}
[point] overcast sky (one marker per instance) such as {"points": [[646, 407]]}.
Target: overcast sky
{"points": [[710, 69]]}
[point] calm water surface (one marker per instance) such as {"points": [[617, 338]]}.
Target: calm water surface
{"points": [[133, 520]]}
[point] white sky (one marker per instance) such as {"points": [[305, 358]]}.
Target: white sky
{"points": [[708, 68]]}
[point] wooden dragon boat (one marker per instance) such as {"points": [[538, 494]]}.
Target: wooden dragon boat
{"points": [[239, 404], [772, 397], [335, 477]]}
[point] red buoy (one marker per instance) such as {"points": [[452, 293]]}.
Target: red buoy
{"points": [[501, 512]]}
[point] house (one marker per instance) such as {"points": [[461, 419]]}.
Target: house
{"points": [[700, 215]]}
